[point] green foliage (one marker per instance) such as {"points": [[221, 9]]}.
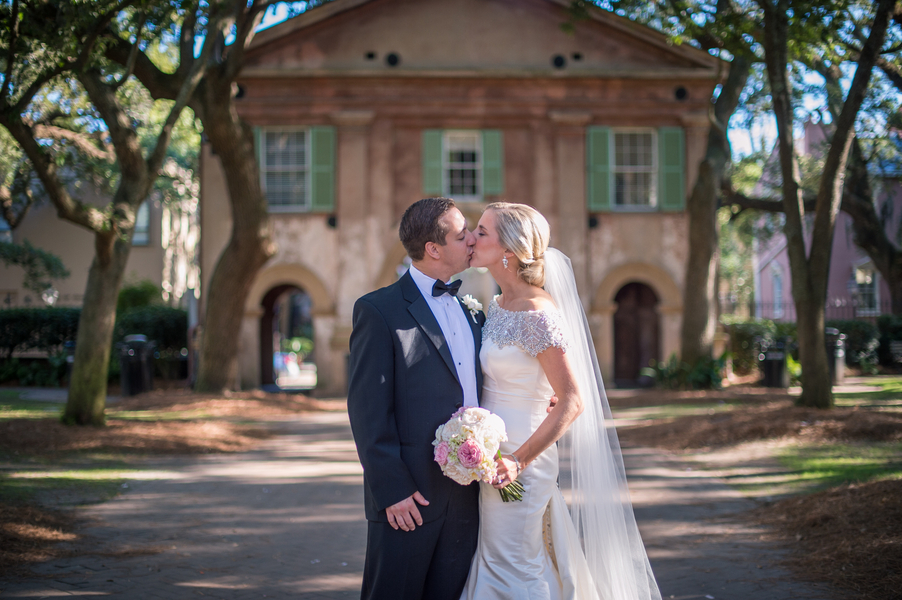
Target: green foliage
{"points": [[889, 330], [795, 370], [673, 374], [748, 335], [143, 293], [40, 266], [862, 340], [41, 329], [302, 346], [166, 326]]}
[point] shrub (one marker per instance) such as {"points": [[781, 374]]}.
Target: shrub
{"points": [[43, 329], [136, 295], [747, 335], [862, 340], [673, 374], [889, 329], [166, 326]]}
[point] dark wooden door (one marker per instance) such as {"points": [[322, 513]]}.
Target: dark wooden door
{"points": [[636, 332]]}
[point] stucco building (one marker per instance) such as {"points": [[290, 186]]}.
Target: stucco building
{"points": [[164, 252], [855, 288], [362, 107]]}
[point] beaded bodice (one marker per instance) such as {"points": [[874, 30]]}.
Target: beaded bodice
{"points": [[532, 331]]}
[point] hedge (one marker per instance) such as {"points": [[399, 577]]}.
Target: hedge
{"points": [[861, 341], [45, 329], [889, 328], [748, 335]]}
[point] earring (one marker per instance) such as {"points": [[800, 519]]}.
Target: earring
{"points": [[504, 261]]}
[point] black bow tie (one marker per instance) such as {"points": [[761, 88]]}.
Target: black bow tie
{"points": [[439, 288]]}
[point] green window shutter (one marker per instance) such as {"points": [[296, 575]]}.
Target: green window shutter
{"points": [[432, 162], [492, 162], [598, 168], [671, 169], [322, 169]]}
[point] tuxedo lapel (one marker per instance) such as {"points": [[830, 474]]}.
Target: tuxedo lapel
{"points": [[421, 312]]}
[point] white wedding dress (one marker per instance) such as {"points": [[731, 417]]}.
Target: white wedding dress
{"points": [[529, 549], [540, 548]]}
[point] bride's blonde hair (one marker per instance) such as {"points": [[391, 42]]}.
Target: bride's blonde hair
{"points": [[525, 232]]}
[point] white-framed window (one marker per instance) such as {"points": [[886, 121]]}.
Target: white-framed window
{"points": [[639, 169], [634, 168], [285, 168], [776, 277], [141, 236], [867, 290], [462, 165]]}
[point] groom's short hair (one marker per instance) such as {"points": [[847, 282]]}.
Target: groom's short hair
{"points": [[422, 223]]}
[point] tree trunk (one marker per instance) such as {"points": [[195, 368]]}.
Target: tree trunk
{"points": [[249, 247], [817, 387], [88, 386], [700, 289]]}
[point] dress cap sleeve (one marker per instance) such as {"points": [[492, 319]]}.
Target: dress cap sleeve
{"points": [[541, 330]]}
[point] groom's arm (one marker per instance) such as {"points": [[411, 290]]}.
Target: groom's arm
{"points": [[371, 407]]}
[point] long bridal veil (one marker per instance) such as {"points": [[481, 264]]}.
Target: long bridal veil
{"points": [[600, 505]]}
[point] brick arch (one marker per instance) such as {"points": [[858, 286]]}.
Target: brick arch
{"points": [[659, 280], [291, 275]]}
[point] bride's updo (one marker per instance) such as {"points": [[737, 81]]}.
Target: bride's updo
{"points": [[525, 232]]}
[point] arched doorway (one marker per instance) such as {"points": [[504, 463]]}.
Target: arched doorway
{"points": [[636, 333], [286, 338]]}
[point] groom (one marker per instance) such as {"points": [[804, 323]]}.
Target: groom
{"points": [[414, 361]]}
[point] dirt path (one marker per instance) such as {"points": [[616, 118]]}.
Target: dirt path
{"points": [[286, 521]]}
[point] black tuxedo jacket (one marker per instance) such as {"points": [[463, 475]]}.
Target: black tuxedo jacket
{"points": [[402, 385]]}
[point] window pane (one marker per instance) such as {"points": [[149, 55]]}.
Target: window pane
{"points": [[633, 168], [633, 149], [286, 188], [285, 167], [632, 189], [463, 162], [141, 236]]}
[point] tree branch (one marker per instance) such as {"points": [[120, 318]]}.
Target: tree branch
{"points": [[829, 194], [11, 55], [80, 141]]}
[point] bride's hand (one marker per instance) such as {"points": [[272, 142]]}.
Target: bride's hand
{"points": [[507, 472]]}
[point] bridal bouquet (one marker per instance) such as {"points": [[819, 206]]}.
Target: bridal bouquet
{"points": [[466, 447]]}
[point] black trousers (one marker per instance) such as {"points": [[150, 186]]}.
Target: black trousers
{"points": [[429, 563]]}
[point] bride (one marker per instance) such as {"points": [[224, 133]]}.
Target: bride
{"points": [[536, 343]]}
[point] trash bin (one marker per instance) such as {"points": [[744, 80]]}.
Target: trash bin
{"points": [[836, 354], [136, 364], [772, 361]]}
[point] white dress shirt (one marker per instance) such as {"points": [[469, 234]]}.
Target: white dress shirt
{"points": [[452, 319]]}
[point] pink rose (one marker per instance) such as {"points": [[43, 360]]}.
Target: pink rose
{"points": [[469, 454], [441, 453]]}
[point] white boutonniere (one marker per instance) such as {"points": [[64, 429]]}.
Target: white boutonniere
{"points": [[472, 304]]}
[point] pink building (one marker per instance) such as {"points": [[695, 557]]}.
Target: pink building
{"points": [[855, 288]]}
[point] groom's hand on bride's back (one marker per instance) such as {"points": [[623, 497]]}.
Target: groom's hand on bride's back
{"points": [[405, 514], [551, 404]]}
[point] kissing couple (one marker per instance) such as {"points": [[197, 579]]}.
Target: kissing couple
{"points": [[418, 354]]}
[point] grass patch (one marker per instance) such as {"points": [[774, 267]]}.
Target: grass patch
{"points": [[13, 407], [828, 465], [673, 411], [60, 487], [889, 394]]}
